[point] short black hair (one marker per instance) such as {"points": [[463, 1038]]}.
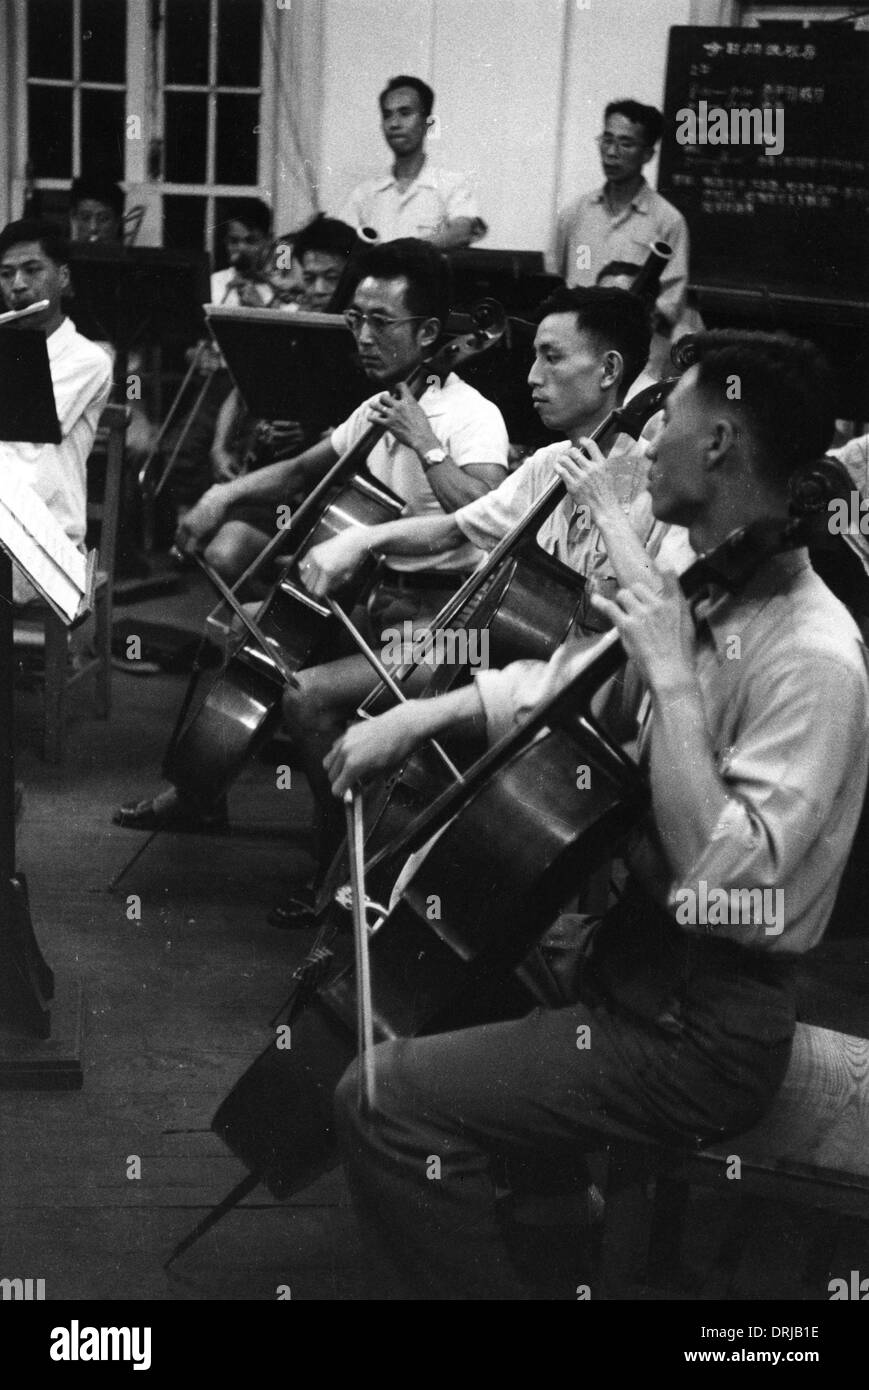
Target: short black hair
{"points": [[649, 117], [97, 188], [422, 89], [50, 236], [617, 268], [426, 270], [787, 395], [326, 234], [251, 212], [616, 319]]}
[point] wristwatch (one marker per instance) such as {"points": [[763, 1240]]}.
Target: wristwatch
{"points": [[433, 456]]}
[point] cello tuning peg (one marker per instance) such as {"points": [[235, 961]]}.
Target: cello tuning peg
{"points": [[489, 317]]}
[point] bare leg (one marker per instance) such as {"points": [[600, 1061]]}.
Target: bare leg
{"points": [[315, 715], [233, 548]]}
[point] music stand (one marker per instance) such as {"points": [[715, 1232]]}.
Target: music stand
{"points": [[29, 1058], [128, 295], [300, 367], [131, 297], [517, 279]]}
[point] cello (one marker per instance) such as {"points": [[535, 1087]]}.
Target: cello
{"points": [[209, 747], [527, 602], [495, 895]]}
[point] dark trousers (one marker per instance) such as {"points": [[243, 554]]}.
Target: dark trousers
{"points": [[694, 1051]]}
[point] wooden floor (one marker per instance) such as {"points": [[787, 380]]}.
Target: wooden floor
{"points": [[178, 1003]]}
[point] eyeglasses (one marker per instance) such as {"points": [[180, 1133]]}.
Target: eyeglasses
{"points": [[378, 323], [616, 142]]}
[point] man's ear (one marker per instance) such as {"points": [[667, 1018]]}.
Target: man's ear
{"points": [[648, 153], [429, 332], [720, 440], [64, 277], [612, 369]]}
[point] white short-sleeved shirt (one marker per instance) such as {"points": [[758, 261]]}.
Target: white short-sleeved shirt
{"points": [[566, 533], [81, 375], [471, 430], [435, 198], [224, 292]]}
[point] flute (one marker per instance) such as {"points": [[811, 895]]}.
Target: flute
{"points": [[36, 308]]}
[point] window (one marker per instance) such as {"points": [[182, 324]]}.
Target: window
{"points": [[211, 61], [76, 93]]}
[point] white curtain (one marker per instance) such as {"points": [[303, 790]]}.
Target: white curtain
{"points": [[292, 108]]}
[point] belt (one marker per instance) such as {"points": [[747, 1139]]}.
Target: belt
{"points": [[423, 579]]}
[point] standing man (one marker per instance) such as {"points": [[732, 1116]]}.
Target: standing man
{"points": [[756, 782], [619, 221], [416, 198], [34, 266]]}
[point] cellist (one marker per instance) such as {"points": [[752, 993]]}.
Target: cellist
{"points": [[438, 453], [681, 1025], [590, 344], [589, 347]]}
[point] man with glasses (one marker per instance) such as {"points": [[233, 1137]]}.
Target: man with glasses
{"points": [[619, 221], [438, 454]]}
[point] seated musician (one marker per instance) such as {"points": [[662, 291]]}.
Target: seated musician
{"points": [[315, 261], [245, 228], [438, 453], [590, 345], [96, 210], [34, 266], [243, 283], [756, 780]]}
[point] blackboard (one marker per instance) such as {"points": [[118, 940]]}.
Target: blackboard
{"points": [[797, 221]]}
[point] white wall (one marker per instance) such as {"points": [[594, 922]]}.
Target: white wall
{"points": [[520, 86]]}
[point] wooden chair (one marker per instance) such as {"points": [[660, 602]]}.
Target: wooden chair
{"points": [[41, 628], [811, 1149]]}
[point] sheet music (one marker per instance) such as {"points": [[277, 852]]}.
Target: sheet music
{"points": [[31, 536]]}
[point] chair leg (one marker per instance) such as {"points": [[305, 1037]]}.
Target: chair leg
{"points": [[56, 649], [103, 645], [627, 1220]]}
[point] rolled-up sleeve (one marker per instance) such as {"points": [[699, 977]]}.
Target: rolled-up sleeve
{"points": [[460, 200]]}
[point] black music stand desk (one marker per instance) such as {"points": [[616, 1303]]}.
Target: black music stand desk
{"points": [[30, 1058]]}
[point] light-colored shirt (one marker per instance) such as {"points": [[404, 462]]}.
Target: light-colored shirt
{"points": [[224, 292], [783, 679], [588, 237], [81, 377], [567, 533], [469, 427], [435, 198]]}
